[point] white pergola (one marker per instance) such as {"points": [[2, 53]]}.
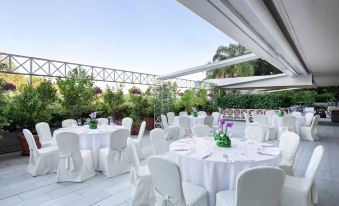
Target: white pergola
{"points": [[304, 47]]}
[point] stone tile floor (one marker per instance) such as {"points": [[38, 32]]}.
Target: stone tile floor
{"points": [[19, 188]]}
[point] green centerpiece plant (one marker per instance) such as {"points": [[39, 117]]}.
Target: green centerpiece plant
{"points": [[194, 112], [280, 113], [93, 123], [222, 136]]}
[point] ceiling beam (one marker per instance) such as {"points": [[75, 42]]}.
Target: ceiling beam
{"points": [[210, 67]]}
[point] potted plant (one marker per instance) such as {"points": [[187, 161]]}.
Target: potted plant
{"points": [[93, 123], [148, 109]]}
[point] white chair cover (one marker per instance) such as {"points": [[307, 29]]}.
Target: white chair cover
{"points": [[170, 118], [113, 160], [138, 140], [171, 132], [208, 120], [164, 122], [308, 118], [216, 117], [158, 142], [299, 191], [185, 126], [310, 133], [201, 131], [296, 114], [69, 123], [262, 121], [142, 191], [102, 121], [288, 125], [289, 142], [260, 186], [75, 165], [44, 133], [255, 133], [41, 161], [202, 114], [309, 110], [127, 123], [183, 113], [169, 188]]}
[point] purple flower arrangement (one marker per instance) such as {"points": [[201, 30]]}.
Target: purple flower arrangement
{"points": [[222, 135], [7, 86], [135, 91]]}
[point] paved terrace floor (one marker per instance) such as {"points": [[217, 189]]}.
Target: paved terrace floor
{"points": [[19, 188]]}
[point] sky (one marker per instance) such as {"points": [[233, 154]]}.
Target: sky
{"points": [[149, 36]]}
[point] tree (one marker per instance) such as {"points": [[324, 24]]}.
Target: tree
{"points": [[76, 91]]}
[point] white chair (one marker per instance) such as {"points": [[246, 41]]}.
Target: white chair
{"points": [[127, 122], [142, 190], [202, 114], [248, 122], [201, 130], [309, 110], [44, 133], [138, 141], [216, 117], [113, 160], [102, 121], [75, 165], [158, 142], [288, 145], [262, 121], [310, 132], [260, 186], [183, 113], [208, 120], [288, 125], [296, 114], [41, 161], [255, 133], [171, 131], [185, 126], [308, 118], [169, 188], [170, 118], [301, 191], [69, 123]]}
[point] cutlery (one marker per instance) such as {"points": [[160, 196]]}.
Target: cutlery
{"points": [[180, 149], [266, 154], [206, 156]]}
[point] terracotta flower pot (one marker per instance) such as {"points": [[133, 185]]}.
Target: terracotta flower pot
{"points": [[149, 123], [135, 129], [24, 144]]}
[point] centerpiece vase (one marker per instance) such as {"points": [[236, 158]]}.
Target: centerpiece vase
{"points": [[92, 125], [195, 114]]}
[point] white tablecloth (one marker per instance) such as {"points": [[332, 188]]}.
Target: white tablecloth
{"points": [[193, 120], [91, 139], [276, 122], [218, 172]]}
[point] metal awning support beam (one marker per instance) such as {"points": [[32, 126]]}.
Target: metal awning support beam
{"points": [[209, 67], [264, 82]]}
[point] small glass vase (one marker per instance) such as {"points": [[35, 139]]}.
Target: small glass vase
{"points": [[92, 125], [195, 114]]}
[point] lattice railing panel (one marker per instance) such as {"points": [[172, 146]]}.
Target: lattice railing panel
{"points": [[237, 114]]}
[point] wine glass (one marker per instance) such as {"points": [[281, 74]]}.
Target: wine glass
{"points": [[79, 122]]}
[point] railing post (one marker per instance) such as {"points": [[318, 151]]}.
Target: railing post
{"points": [[30, 71]]}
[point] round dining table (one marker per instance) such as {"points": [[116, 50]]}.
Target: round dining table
{"points": [[215, 168], [91, 139], [193, 120]]}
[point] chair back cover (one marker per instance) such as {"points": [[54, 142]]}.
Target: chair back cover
{"points": [[69, 151], [262, 120], [247, 119], [315, 122], [309, 118], [289, 142], [201, 130], [184, 122], [118, 139], [208, 120], [33, 149], [69, 123], [158, 142], [260, 186], [313, 165], [132, 154], [309, 110], [256, 133], [296, 114], [216, 117], [270, 112], [167, 181], [170, 117], [202, 114], [183, 113], [44, 132], [127, 123], [102, 121], [289, 121], [142, 130], [164, 121]]}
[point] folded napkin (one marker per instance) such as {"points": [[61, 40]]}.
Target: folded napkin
{"points": [[267, 145]]}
